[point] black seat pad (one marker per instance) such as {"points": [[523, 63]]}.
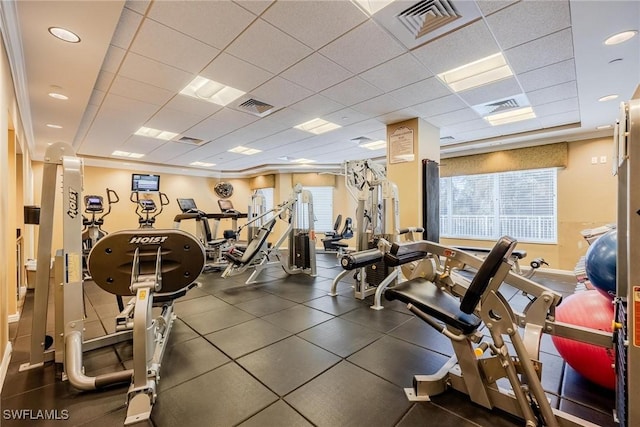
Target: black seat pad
{"points": [[436, 303]]}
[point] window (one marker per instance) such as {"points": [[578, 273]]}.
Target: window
{"points": [[521, 204], [267, 193], [322, 208]]}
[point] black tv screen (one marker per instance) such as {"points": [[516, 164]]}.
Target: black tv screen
{"points": [[140, 182]]}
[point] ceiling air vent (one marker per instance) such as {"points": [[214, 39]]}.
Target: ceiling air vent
{"points": [[189, 140], [427, 16], [255, 107], [447, 138], [500, 105]]}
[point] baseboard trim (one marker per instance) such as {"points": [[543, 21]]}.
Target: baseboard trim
{"points": [[13, 318], [4, 367]]}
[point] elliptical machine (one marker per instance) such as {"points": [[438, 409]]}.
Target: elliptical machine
{"points": [[147, 209], [94, 206]]}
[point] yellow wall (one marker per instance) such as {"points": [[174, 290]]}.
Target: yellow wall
{"points": [[586, 199]]}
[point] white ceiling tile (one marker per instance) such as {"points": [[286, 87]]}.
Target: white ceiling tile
{"points": [[126, 29], [197, 153], [314, 23], [113, 59], [491, 92], [168, 151], [557, 107], [541, 52], [317, 105], [439, 106], [221, 123], [159, 42], [346, 116], [519, 127], [254, 6], [396, 73], [280, 139], [104, 81], [560, 119], [553, 93], [141, 91], [363, 47], [139, 6], [465, 45], [281, 92], [256, 45], [490, 6], [448, 119], [379, 105], [529, 20], [476, 135], [235, 72], [173, 120], [152, 72], [194, 106], [129, 107], [216, 23], [87, 119], [352, 91], [467, 126], [141, 144], [316, 73], [422, 91], [550, 75], [289, 117]]}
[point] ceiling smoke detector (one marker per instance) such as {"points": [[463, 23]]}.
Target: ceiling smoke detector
{"points": [[427, 16]]}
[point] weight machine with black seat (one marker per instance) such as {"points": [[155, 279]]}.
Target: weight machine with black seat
{"points": [[516, 256], [458, 308], [333, 239], [153, 266], [297, 213]]}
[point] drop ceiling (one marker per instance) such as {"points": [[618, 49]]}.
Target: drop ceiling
{"points": [[308, 59]]}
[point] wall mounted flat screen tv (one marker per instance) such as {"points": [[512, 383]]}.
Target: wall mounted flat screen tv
{"points": [[140, 182]]}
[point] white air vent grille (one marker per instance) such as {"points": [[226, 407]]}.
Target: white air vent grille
{"points": [[361, 140], [189, 140], [427, 16], [500, 105], [255, 107], [447, 138]]}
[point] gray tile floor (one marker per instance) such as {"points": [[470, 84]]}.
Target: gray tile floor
{"points": [[282, 353]]}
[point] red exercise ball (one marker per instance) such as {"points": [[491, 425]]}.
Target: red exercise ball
{"points": [[590, 309]]}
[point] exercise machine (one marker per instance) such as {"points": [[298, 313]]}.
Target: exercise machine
{"points": [[457, 308], [333, 239], [156, 266], [297, 213], [516, 256], [146, 208], [215, 247], [256, 214], [94, 206]]}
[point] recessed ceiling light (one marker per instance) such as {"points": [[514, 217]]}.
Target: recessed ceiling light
{"points": [[317, 126], [127, 154], [620, 37], [52, 126], [602, 127], [374, 145], [64, 34], [156, 133], [202, 164], [372, 6], [607, 98], [477, 73], [57, 95], [244, 150], [211, 91], [511, 116]]}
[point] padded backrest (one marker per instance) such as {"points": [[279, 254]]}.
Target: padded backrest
{"points": [[256, 243], [111, 259], [347, 231], [336, 224], [487, 270]]}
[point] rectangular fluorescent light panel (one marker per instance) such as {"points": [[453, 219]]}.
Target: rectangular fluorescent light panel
{"points": [[156, 133], [374, 145], [477, 73], [511, 116], [202, 164], [127, 154], [372, 6], [244, 150], [211, 91], [301, 160], [317, 126]]}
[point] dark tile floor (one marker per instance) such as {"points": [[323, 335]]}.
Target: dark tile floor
{"points": [[282, 353]]}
